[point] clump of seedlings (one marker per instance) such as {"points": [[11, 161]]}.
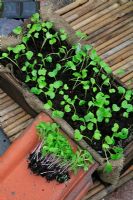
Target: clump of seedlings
{"points": [[54, 157], [76, 84]]}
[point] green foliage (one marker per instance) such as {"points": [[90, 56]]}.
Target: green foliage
{"points": [[108, 167], [67, 108], [49, 25], [17, 30], [4, 55], [115, 127], [95, 106], [115, 108], [106, 67], [63, 35], [57, 114], [109, 140], [77, 135], [54, 142], [29, 55], [48, 105], [57, 84], [97, 135], [35, 17], [118, 153], [81, 35], [121, 90]]}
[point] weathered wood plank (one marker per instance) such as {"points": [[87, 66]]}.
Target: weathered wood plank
{"points": [[105, 19], [82, 7], [16, 131], [128, 34], [118, 65], [83, 25], [92, 10], [13, 119], [70, 6], [127, 68], [10, 127], [4, 100], [9, 115], [120, 53], [120, 58], [101, 191], [9, 109], [116, 49], [110, 28], [6, 104], [127, 77]]}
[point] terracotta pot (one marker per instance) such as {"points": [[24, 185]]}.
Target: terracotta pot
{"points": [[17, 181]]}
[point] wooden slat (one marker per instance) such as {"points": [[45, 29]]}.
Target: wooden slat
{"points": [[16, 123], [129, 83], [105, 19], [2, 96], [116, 49], [115, 34], [10, 121], [12, 118], [128, 34], [118, 65], [16, 131], [85, 12], [92, 10], [6, 104], [127, 77], [84, 25], [121, 58], [110, 28], [82, 7], [119, 53], [128, 67], [11, 114], [70, 6], [7, 98], [129, 70], [9, 109], [101, 190]]}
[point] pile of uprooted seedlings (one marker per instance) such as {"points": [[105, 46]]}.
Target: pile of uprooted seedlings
{"points": [[54, 157], [49, 166]]}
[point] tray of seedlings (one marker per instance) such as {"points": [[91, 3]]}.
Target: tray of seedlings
{"points": [[54, 71]]}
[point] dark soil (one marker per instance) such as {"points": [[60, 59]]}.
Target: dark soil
{"points": [[48, 167], [66, 77]]}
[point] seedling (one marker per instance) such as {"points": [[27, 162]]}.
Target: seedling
{"points": [[54, 157]]}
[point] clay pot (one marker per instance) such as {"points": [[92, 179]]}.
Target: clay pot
{"points": [[17, 181]]}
